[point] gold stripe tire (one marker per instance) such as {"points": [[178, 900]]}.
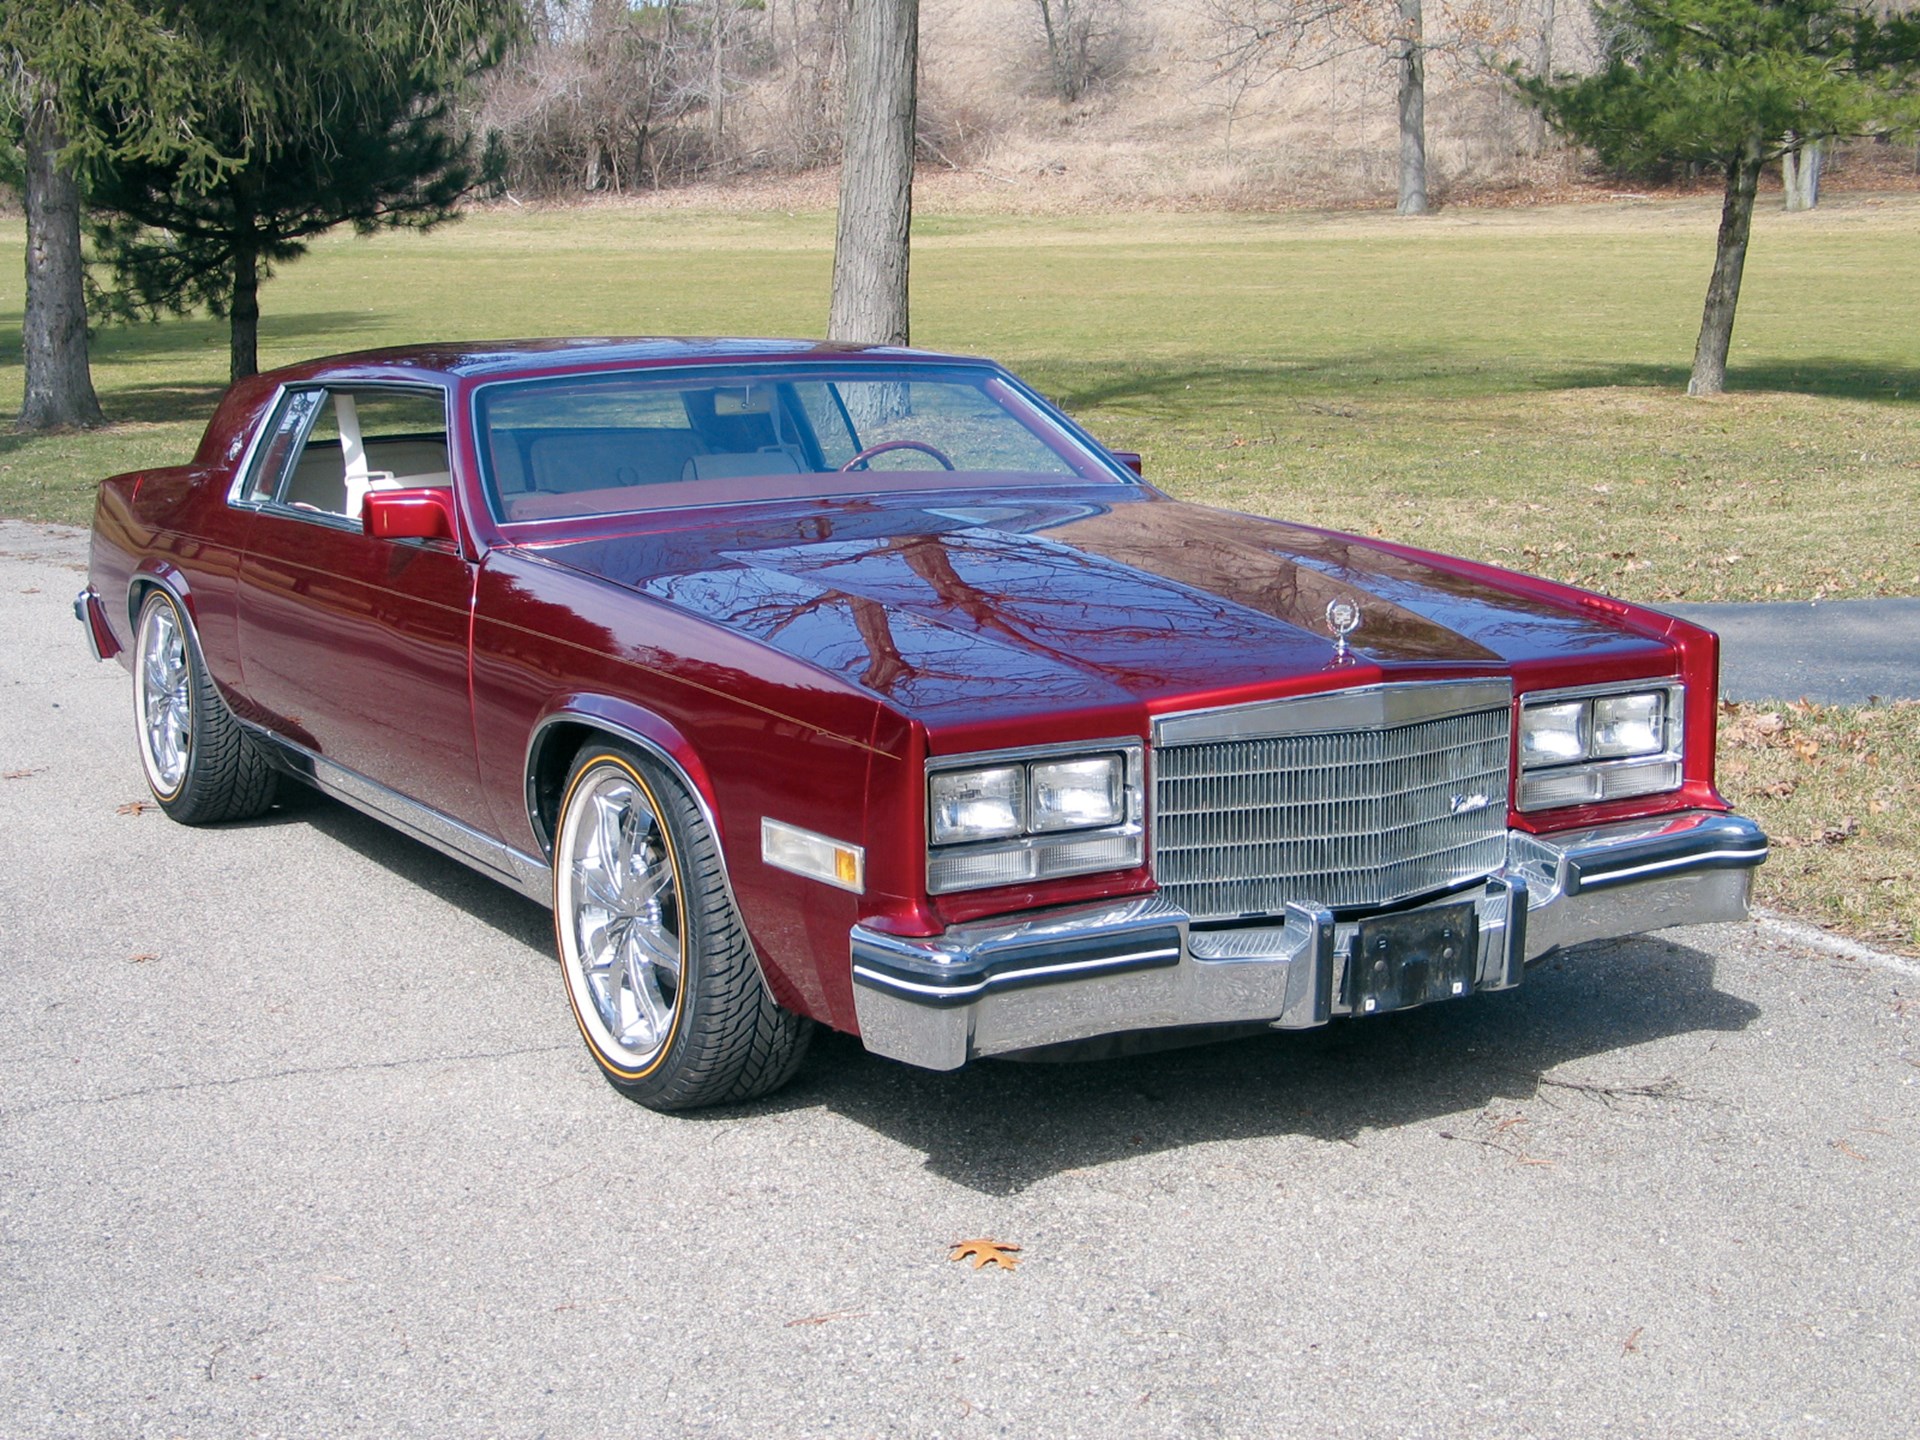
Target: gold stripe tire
{"points": [[659, 971]]}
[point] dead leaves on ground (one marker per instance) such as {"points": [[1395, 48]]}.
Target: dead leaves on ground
{"points": [[1837, 787], [985, 1251], [135, 807]]}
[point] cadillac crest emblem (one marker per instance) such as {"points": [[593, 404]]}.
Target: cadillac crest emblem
{"points": [[1343, 618]]}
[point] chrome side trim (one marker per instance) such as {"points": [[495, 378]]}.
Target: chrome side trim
{"points": [[1371, 707], [452, 838]]}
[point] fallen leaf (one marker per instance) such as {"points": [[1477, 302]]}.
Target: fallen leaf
{"points": [[1806, 749], [986, 1251], [1781, 789], [22, 774], [136, 807], [1837, 834], [142, 958]]}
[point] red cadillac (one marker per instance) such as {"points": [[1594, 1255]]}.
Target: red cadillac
{"points": [[862, 687]]}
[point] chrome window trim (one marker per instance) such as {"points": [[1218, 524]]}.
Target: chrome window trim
{"points": [[1369, 707], [272, 504], [244, 469]]}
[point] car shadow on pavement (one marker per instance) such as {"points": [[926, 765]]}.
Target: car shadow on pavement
{"points": [[512, 914], [998, 1127]]}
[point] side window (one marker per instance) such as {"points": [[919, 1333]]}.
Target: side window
{"points": [[372, 439], [270, 460]]}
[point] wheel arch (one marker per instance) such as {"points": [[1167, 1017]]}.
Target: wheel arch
{"points": [[574, 722], [160, 575], [578, 721]]}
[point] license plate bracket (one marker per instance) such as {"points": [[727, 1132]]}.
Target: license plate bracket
{"points": [[1400, 961]]}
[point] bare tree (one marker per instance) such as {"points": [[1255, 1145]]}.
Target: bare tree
{"points": [[872, 241], [1082, 39], [607, 97], [1410, 60], [1259, 40]]}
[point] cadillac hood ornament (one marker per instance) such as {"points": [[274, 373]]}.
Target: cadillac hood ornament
{"points": [[1343, 618]]}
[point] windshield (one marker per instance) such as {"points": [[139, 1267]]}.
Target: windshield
{"points": [[653, 439]]}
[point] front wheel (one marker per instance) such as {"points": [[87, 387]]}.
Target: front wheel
{"points": [[662, 977], [200, 765]]}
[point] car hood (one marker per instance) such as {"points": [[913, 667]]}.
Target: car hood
{"points": [[1023, 601]]}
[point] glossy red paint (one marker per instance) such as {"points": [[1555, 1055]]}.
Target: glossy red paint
{"points": [[801, 658], [422, 514]]}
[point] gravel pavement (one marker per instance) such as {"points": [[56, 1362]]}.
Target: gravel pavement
{"points": [[297, 1139]]}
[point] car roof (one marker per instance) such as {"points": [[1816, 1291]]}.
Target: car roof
{"points": [[505, 357]]}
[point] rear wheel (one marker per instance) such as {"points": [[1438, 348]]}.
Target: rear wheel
{"points": [[200, 765], [662, 977]]}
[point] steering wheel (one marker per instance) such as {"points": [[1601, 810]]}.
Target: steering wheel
{"points": [[860, 461]]}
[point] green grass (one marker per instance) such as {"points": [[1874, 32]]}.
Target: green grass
{"points": [[1503, 384]]}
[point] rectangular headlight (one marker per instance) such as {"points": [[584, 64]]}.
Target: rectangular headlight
{"points": [[1626, 725], [1553, 734], [984, 804], [1077, 794], [1038, 814], [1587, 747]]}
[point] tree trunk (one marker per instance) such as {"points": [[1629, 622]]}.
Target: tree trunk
{"points": [[1729, 260], [59, 386], [1059, 63], [243, 317], [1800, 175], [870, 248], [1542, 70], [1413, 111]]}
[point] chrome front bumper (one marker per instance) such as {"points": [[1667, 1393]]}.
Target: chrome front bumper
{"points": [[1140, 964]]}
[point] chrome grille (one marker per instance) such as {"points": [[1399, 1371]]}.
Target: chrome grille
{"points": [[1349, 817]]}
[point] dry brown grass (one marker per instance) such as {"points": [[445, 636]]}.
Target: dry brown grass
{"points": [[1838, 789]]}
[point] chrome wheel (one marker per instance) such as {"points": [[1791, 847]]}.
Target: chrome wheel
{"points": [[164, 698], [619, 913]]}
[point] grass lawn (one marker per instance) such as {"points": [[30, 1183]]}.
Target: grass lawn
{"points": [[1504, 384]]}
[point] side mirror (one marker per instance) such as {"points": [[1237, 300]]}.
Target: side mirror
{"points": [[422, 514], [1130, 459]]}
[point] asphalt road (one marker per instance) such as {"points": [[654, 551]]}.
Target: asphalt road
{"points": [[297, 1138], [1839, 652]]}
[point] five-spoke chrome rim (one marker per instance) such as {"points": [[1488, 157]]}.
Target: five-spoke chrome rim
{"points": [[165, 717], [619, 913]]}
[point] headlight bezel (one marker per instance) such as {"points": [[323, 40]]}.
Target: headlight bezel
{"points": [[1040, 851], [1601, 772]]}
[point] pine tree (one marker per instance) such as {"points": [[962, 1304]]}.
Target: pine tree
{"points": [[303, 115], [56, 58], [1732, 84]]}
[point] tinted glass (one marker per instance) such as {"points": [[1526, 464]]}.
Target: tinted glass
{"points": [[652, 439]]}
